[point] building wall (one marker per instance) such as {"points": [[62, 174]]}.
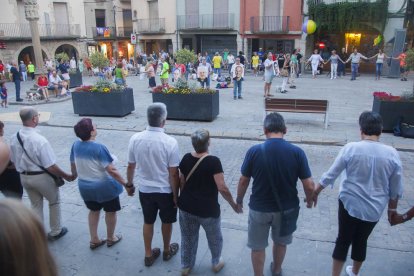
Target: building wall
{"points": [[292, 8], [166, 9]]}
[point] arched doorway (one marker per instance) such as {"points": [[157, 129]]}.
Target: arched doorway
{"points": [[69, 50], [27, 54]]}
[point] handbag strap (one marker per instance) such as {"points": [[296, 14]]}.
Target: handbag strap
{"points": [[41, 167], [195, 167], [270, 179]]}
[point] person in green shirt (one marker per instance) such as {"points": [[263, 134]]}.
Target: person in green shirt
{"points": [[31, 70], [119, 77], [225, 54], [164, 72]]}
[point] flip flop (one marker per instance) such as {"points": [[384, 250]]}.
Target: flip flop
{"points": [[149, 261], [167, 255], [94, 245], [110, 243]]}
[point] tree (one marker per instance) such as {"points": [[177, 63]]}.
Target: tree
{"points": [[185, 56], [99, 60], [62, 56], [410, 63]]}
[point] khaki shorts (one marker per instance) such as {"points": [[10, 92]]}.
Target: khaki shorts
{"points": [[258, 231]]}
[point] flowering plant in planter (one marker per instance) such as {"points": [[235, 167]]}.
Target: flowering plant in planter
{"points": [[103, 86], [388, 97], [182, 86]]}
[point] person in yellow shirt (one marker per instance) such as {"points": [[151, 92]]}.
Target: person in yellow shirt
{"points": [[255, 63], [217, 62], [31, 70], [165, 72]]}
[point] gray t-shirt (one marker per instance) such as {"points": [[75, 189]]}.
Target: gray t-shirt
{"points": [[22, 67], [334, 59]]}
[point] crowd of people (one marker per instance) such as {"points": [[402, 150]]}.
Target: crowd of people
{"points": [[192, 183]]}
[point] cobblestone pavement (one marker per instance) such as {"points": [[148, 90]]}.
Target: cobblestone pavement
{"points": [[391, 249], [242, 119]]}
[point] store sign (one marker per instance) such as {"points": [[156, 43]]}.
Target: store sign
{"points": [[133, 38]]}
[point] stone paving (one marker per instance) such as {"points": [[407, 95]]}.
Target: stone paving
{"points": [[391, 249]]}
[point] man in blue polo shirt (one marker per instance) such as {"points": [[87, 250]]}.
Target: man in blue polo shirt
{"points": [[275, 167]]}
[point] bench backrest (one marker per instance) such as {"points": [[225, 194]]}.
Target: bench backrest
{"points": [[296, 104]]}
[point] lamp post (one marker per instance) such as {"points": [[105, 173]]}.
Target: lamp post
{"points": [[115, 47], [31, 10]]}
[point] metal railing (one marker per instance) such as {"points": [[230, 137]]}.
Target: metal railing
{"points": [[124, 31], [224, 21], [152, 25], [103, 32], [22, 30], [269, 24]]}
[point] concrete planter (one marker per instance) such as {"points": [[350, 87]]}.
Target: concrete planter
{"points": [[112, 104], [392, 111], [75, 79], [190, 107]]}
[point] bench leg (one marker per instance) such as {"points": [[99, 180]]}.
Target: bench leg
{"points": [[326, 120]]}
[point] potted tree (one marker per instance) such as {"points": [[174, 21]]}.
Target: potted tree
{"points": [[187, 101], [105, 98], [99, 60], [394, 108], [74, 74]]}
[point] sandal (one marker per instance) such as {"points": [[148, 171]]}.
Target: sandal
{"points": [[149, 261], [167, 255], [272, 271], [110, 243], [94, 245]]}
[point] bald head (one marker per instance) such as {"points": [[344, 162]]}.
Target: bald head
{"points": [[26, 115]]}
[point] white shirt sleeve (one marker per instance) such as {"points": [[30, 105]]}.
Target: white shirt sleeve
{"points": [[174, 158]]}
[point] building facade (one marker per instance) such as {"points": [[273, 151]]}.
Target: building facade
{"points": [[273, 25], [373, 26], [208, 26], [109, 25], [61, 24], [155, 24]]}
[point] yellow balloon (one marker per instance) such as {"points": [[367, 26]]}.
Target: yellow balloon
{"points": [[311, 28]]}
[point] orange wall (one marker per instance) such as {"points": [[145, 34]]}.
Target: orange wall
{"points": [[291, 8]]}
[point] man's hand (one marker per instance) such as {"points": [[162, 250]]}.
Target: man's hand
{"points": [[239, 208], [391, 216]]}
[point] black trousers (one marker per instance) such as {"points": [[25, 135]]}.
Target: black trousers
{"points": [[10, 184], [351, 231]]}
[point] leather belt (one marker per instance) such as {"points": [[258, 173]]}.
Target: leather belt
{"points": [[32, 173]]}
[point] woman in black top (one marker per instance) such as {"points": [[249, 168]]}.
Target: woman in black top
{"points": [[198, 202]]}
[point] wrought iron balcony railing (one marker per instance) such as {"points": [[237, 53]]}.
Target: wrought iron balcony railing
{"points": [[103, 32], [124, 31], [224, 21], [22, 30], [269, 24], [152, 25]]}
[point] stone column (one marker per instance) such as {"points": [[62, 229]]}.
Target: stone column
{"points": [[31, 10]]}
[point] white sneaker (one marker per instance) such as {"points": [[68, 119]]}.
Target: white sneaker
{"points": [[331, 78], [216, 268], [349, 271]]}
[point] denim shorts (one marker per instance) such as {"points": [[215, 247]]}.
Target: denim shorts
{"points": [[269, 78], [258, 230]]}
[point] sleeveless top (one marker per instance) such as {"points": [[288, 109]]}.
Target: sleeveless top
{"points": [[380, 58]]}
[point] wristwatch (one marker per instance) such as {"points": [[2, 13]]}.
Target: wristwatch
{"points": [[405, 217]]}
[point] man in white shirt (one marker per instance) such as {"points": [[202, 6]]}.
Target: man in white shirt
{"points": [[154, 156], [237, 74], [203, 73], [30, 159], [56, 83]]}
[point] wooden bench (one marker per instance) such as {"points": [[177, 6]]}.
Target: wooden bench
{"points": [[298, 106]]}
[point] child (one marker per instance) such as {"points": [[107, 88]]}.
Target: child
{"points": [[3, 94]]}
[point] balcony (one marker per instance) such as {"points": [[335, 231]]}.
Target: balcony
{"points": [[124, 31], [269, 24], [46, 31], [103, 32], [316, 2], [223, 21], [151, 26]]}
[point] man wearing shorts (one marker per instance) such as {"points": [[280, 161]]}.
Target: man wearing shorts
{"points": [[154, 156], [403, 65], [270, 73], [275, 167]]}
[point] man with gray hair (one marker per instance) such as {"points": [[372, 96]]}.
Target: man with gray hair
{"points": [[275, 167], [35, 160], [154, 156]]}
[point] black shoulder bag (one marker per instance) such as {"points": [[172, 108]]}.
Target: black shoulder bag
{"points": [[288, 217], [59, 181]]}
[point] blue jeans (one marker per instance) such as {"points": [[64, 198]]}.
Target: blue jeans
{"points": [[378, 70], [237, 89], [354, 68], [17, 85], [190, 226], [217, 71], [341, 69]]}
